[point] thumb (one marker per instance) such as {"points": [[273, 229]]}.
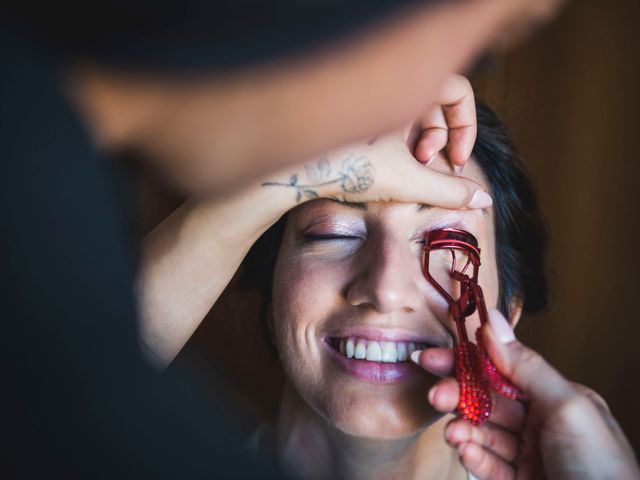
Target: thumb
{"points": [[543, 385], [437, 189]]}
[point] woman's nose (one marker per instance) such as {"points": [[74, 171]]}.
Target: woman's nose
{"points": [[388, 279]]}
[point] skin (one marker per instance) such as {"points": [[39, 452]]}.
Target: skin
{"points": [[563, 430], [371, 276], [563, 427], [207, 133], [188, 259], [367, 273]]}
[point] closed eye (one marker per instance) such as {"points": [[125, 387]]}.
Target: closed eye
{"points": [[310, 237]]}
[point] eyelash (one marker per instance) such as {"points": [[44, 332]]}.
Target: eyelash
{"points": [[310, 237]]}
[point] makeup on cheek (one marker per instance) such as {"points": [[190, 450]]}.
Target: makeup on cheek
{"points": [[458, 285]]}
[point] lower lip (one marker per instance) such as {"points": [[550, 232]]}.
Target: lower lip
{"points": [[373, 372]]}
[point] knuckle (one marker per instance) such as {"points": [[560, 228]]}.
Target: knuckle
{"points": [[436, 137], [592, 395], [490, 440], [575, 407], [465, 83]]}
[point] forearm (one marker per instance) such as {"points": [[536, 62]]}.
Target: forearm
{"points": [[372, 85], [188, 260]]}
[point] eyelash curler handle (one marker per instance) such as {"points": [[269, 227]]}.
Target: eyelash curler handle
{"points": [[475, 372], [475, 404], [492, 375]]}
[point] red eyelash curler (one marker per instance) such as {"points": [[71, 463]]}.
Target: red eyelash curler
{"points": [[475, 371]]}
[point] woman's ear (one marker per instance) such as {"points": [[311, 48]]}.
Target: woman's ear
{"points": [[515, 311]]}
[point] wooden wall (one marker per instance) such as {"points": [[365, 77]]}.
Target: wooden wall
{"points": [[571, 96]]}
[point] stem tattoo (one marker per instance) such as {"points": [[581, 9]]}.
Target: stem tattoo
{"points": [[355, 175]]}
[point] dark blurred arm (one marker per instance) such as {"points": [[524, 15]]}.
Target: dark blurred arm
{"points": [[218, 131], [78, 400]]}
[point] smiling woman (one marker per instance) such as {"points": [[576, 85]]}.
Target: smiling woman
{"points": [[345, 303]]}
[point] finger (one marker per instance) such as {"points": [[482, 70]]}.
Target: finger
{"points": [[459, 108], [602, 407], [500, 442], [592, 395], [523, 366], [445, 395], [442, 190], [410, 134], [484, 464], [430, 143], [438, 361], [507, 414], [433, 136]]}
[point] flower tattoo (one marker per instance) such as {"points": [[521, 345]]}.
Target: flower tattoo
{"points": [[356, 175]]}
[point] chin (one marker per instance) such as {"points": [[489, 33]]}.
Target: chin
{"points": [[382, 420], [374, 430]]}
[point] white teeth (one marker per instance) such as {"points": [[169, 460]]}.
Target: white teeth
{"points": [[374, 353], [389, 352], [350, 347], [402, 352]]}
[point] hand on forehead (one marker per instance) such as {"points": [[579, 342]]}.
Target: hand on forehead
{"points": [[404, 141]]}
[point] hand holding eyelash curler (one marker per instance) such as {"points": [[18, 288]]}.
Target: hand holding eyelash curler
{"points": [[475, 371]]}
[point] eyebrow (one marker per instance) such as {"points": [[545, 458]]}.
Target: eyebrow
{"points": [[356, 205], [363, 206]]}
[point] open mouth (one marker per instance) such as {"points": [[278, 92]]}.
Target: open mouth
{"points": [[374, 350]]}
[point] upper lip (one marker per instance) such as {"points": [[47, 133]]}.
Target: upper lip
{"points": [[391, 334]]}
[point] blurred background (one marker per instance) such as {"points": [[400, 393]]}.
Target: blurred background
{"points": [[570, 96]]}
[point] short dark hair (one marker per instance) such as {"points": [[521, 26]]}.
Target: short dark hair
{"points": [[521, 233]]}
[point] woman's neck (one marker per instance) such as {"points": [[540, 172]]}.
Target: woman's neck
{"points": [[311, 448]]}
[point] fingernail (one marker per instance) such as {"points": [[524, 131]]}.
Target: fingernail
{"points": [[432, 394], [431, 158], [480, 199], [501, 327], [415, 357], [458, 169]]}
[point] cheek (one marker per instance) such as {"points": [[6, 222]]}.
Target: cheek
{"points": [[300, 290], [305, 294]]}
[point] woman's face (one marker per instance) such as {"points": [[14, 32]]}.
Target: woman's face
{"points": [[348, 283]]}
